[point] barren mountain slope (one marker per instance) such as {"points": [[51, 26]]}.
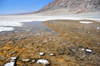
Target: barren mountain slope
{"points": [[76, 6]]}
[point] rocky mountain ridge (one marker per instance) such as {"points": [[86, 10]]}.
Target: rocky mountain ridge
{"points": [[75, 6]]}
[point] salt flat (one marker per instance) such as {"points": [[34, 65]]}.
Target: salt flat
{"points": [[15, 20]]}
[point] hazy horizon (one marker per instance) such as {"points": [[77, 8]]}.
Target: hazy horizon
{"points": [[21, 6]]}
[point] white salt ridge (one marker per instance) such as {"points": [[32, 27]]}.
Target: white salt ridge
{"points": [[42, 61], [86, 22], [41, 53], [88, 50], [10, 64], [6, 29]]}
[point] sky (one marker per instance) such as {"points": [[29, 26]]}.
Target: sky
{"points": [[21, 6]]}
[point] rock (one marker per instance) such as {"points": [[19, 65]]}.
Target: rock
{"points": [[50, 39], [68, 51], [82, 49], [12, 52], [33, 61], [45, 41], [23, 56], [38, 33], [83, 64], [59, 35], [28, 45], [88, 50], [10, 42], [13, 58], [89, 58], [8, 59], [98, 28], [54, 39], [42, 61], [98, 44], [41, 53], [61, 51], [23, 37], [16, 31], [1, 50], [2, 58], [20, 46], [74, 50], [52, 54], [2, 39], [88, 32], [8, 49], [80, 57], [25, 60], [69, 58], [35, 35]]}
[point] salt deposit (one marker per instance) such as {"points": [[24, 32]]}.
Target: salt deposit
{"points": [[6, 29], [86, 22], [82, 49], [10, 64], [88, 50], [15, 20], [42, 61], [98, 28], [13, 58], [41, 53], [52, 54]]}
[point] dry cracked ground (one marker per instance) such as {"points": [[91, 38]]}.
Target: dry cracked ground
{"points": [[71, 43]]}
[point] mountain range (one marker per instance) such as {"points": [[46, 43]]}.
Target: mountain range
{"points": [[71, 6]]}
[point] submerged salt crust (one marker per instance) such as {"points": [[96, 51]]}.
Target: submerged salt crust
{"points": [[10, 64]]}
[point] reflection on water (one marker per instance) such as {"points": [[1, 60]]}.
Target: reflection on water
{"points": [[82, 34], [28, 29]]}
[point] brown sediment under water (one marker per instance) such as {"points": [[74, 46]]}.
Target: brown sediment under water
{"points": [[71, 43]]}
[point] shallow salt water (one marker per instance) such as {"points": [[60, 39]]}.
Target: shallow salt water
{"points": [[51, 37]]}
